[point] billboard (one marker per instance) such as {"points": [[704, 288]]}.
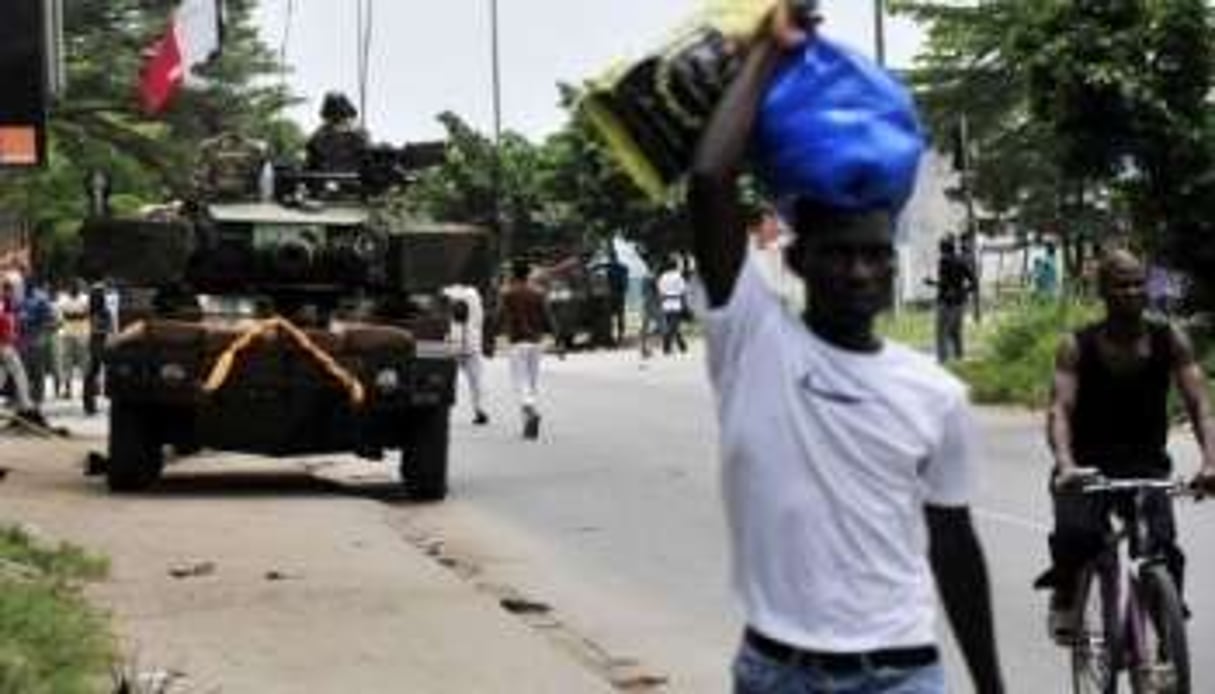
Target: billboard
{"points": [[23, 82]]}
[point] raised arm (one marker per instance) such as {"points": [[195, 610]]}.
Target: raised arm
{"points": [[1192, 383], [961, 574], [720, 242], [1062, 404]]}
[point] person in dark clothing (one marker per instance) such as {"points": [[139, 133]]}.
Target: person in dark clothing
{"points": [[618, 284], [1109, 414], [339, 145], [955, 282], [524, 319], [101, 326], [38, 324]]}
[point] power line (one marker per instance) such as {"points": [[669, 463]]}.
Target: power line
{"points": [[287, 23]]}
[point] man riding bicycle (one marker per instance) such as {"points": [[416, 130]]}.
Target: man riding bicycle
{"points": [[1109, 415]]}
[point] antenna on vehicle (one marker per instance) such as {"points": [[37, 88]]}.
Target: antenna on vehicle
{"points": [[366, 22]]}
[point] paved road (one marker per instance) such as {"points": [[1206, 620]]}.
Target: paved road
{"points": [[614, 520]]}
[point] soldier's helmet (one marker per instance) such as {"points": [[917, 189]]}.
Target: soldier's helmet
{"points": [[336, 107]]}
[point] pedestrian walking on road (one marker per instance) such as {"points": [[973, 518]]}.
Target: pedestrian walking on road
{"points": [[37, 331], [652, 324], [73, 308], [523, 318], [847, 459], [12, 370], [673, 295], [467, 318], [618, 281]]}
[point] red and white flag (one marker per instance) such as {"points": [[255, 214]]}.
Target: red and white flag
{"points": [[193, 37]]}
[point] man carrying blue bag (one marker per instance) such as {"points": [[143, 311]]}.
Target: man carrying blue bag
{"points": [[848, 461]]}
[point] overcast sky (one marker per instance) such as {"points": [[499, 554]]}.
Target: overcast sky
{"points": [[429, 56]]}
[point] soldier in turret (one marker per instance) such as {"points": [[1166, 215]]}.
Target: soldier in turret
{"points": [[339, 145]]}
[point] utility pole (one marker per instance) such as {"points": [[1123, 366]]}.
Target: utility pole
{"points": [[879, 31], [501, 228]]}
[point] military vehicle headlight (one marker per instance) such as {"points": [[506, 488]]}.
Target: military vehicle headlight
{"points": [[173, 373], [388, 380]]}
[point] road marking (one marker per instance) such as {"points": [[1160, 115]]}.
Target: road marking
{"points": [[1016, 521]]}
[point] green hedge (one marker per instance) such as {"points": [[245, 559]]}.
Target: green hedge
{"points": [[1017, 362]]}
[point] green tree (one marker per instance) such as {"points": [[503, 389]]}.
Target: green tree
{"points": [[565, 192], [976, 66], [1102, 114]]}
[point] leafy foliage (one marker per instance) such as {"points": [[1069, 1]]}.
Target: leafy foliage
{"points": [[1016, 368], [564, 192], [1089, 116]]}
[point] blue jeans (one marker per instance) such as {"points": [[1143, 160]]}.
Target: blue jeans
{"points": [[755, 673]]}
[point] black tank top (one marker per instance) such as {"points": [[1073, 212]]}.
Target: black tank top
{"points": [[1121, 424]]}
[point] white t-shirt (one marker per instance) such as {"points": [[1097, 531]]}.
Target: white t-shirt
{"points": [[828, 459], [74, 312], [671, 290], [465, 337]]}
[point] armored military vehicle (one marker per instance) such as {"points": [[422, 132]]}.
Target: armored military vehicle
{"points": [[296, 319]]}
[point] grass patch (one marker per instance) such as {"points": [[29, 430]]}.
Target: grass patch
{"points": [[51, 640], [1019, 356], [915, 326]]}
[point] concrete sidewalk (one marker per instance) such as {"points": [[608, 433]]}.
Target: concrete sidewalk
{"points": [[284, 583]]}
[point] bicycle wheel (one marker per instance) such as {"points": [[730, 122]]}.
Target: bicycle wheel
{"points": [[1162, 656], [1095, 640]]}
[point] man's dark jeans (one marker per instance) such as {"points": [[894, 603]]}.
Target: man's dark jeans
{"points": [[951, 320], [755, 673], [671, 334]]}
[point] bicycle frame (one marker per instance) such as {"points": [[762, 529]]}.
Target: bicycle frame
{"points": [[1128, 552]]}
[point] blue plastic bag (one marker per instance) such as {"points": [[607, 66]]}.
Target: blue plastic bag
{"points": [[836, 128]]}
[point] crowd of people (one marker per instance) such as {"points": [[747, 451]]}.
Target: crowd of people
{"points": [[51, 343]]}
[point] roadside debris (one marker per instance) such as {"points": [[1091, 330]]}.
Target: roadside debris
{"points": [[193, 569], [521, 606], [640, 682]]}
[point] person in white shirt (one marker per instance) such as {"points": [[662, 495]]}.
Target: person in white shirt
{"points": [[73, 308], [847, 461], [467, 319], [673, 297]]}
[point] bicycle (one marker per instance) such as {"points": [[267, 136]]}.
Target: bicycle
{"points": [[1129, 614]]}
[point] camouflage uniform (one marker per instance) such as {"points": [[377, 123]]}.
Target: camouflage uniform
{"points": [[229, 166]]}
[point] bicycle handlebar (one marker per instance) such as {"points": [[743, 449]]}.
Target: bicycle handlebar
{"points": [[1105, 485]]}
